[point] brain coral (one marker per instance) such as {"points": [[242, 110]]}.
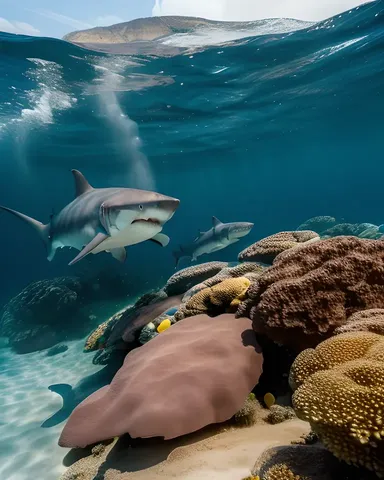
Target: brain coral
{"points": [[267, 249], [186, 278], [164, 389], [311, 291], [249, 270], [366, 320], [215, 300], [340, 392]]}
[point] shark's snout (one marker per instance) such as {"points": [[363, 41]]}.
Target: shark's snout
{"points": [[242, 229]]}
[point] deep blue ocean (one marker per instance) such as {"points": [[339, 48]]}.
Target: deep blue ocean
{"points": [[272, 129], [272, 124]]}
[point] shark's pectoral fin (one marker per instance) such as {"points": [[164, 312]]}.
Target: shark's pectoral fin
{"points": [[100, 237], [119, 253], [161, 239]]}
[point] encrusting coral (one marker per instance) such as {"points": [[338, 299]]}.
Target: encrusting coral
{"points": [[281, 472], [267, 249], [247, 415], [279, 414], [339, 390], [366, 320], [186, 278], [317, 224], [225, 296], [309, 292], [97, 339]]}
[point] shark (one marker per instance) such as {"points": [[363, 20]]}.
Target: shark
{"points": [[220, 236], [104, 219]]}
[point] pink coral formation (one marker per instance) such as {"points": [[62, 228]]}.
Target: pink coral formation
{"points": [[164, 389], [309, 292]]}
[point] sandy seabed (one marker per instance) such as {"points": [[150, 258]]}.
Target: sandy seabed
{"points": [[27, 451], [229, 454]]}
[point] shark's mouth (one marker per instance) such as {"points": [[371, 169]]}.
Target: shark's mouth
{"points": [[152, 221]]}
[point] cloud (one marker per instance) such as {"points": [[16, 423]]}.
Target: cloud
{"points": [[17, 27], [254, 9]]}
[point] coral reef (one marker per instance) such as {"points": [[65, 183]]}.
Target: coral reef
{"points": [[248, 270], [133, 319], [186, 394], [98, 338], [147, 333], [308, 293], [300, 462], [318, 224], [215, 300], [339, 390], [44, 313], [279, 414], [366, 320], [267, 249], [247, 415], [353, 229], [186, 278]]}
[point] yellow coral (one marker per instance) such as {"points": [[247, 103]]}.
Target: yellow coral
{"points": [[281, 472], [166, 323], [340, 392], [216, 299], [95, 339], [269, 399]]}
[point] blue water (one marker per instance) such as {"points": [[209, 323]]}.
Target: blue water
{"points": [[271, 129], [271, 126]]}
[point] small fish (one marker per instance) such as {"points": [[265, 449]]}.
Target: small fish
{"points": [[104, 219], [218, 237]]}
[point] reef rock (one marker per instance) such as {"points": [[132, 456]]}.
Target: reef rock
{"points": [[351, 229], [339, 390], [44, 313], [164, 389], [366, 321], [318, 224], [267, 249], [186, 278], [310, 292]]}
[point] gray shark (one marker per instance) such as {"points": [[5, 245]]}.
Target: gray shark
{"points": [[218, 237], [105, 219]]}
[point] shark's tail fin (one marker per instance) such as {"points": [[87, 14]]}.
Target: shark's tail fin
{"points": [[66, 393], [40, 228], [179, 254]]}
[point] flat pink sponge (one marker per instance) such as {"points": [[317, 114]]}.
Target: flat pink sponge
{"points": [[196, 373]]}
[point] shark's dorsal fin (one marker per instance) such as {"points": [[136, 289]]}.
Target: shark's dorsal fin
{"points": [[215, 222], [81, 183]]}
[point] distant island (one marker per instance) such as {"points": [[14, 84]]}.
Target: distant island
{"points": [[146, 29]]}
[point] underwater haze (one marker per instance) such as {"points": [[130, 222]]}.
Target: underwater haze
{"points": [[271, 125]]}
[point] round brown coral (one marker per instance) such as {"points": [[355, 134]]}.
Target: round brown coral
{"points": [[342, 396], [281, 472], [367, 321], [311, 291], [267, 249], [215, 300]]}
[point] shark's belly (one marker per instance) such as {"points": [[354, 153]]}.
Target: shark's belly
{"points": [[131, 235]]}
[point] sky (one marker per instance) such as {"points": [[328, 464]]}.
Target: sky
{"points": [[55, 19]]}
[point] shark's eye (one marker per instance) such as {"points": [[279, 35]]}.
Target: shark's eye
{"points": [[140, 207]]}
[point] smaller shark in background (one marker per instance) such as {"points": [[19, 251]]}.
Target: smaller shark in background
{"points": [[104, 219], [218, 237]]}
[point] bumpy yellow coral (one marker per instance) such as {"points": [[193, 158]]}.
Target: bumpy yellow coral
{"points": [[95, 339], [215, 300], [281, 472], [340, 392]]}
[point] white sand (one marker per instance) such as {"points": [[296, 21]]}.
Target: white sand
{"points": [[229, 455], [27, 451]]}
